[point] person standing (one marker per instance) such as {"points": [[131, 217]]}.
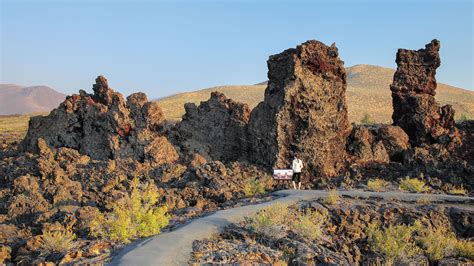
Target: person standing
{"points": [[297, 166]]}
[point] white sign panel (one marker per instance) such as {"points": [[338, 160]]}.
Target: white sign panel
{"points": [[282, 174]]}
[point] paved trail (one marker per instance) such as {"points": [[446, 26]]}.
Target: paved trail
{"points": [[175, 247]]}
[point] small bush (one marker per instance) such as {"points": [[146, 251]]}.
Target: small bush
{"points": [[412, 185], [270, 221], [393, 242], [440, 243], [332, 198], [133, 217], [399, 241], [458, 190], [366, 120], [423, 200], [57, 241], [308, 225], [464, 248], [254, 187], [377, 184], [463, 118]]}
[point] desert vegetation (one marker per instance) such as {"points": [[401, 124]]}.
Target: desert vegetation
{"points": [[398, 242], [377, 184], [132, 217], [286, 234], [409, 184], [254, 187], [332, 197]]}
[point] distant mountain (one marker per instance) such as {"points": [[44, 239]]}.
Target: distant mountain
{"points": [[16, 99], [368, 92]]}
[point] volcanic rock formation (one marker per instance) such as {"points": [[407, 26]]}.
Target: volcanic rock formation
{"points": [[304, 111], [413, 89], [378, 143], [216, 129], [104, 126]]}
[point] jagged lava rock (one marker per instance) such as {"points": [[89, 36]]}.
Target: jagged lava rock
{"points": [[413, 89], [104, 126], [304, 111], [377, 143], [216, 129]]}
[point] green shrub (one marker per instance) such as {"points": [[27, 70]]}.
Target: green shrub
{"points": [[332, 197], [399, 241], [366, 120], [377, 184], [441, 242], [463, 118], [56, 241], [464, 248], [458, 190], [393, 242], [135, 216], [308, 225], [437, 243], [269, 222], [423, 200], [412, 185], [254, 187]]}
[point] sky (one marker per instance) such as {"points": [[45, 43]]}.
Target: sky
{"points": [[165, 47]]}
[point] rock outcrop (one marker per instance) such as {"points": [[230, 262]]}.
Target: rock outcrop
{"points": [[378, 143], [216, 129], [413, 89], [304, 111], [103, 126]]}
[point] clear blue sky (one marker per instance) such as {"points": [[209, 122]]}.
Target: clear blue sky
{"points": [[166, 47]]}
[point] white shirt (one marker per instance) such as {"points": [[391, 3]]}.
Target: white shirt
{"points": [[297, 165]]}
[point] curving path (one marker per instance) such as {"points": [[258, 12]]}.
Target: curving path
{"points": [[175, 247]]}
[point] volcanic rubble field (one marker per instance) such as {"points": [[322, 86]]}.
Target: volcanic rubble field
{"points": [[96, 150]]}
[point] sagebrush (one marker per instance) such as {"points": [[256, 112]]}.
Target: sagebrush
{"points": [[377, 184], [132, 217], [254, 187], [413, 185]]}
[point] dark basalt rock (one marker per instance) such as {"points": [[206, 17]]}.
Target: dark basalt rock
{"points": [[104, 126], [413, 90], [304, 111], [377, 143], [216, 129]]}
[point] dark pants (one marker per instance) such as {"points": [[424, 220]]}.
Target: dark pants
{"points": [[297, 177]]}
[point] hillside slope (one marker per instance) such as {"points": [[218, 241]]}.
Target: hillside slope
{"points": [[368, 92], [16, 99]]}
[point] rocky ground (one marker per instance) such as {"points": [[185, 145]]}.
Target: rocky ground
{"points": [[343, 239], [91, 156]]}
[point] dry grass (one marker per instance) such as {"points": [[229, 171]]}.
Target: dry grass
{"points": [[269, 222], [254, 187], [377, 184], [458, 190], [393, 242], [423, 201], [367, 93], [308, 225], [56, 241], [332, 198], [133, 217], [412, 185]]}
